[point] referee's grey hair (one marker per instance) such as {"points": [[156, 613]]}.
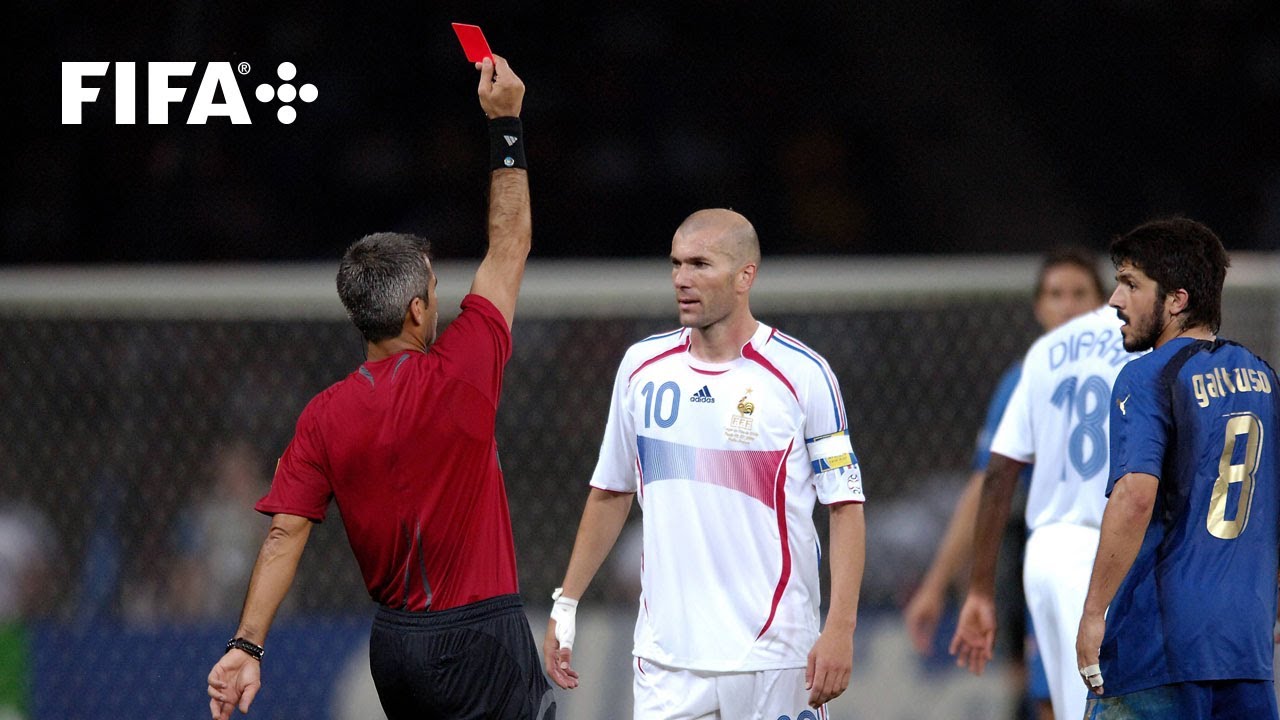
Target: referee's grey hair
{"points": [[379, 276]]}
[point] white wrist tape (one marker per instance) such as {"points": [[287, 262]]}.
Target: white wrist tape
{"points": [[1092, 674], [565, 613]]}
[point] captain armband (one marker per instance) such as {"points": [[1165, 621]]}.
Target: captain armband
{"points": [[831, 452]]}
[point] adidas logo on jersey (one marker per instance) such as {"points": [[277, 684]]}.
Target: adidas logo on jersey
{"points": [[702, 396]]}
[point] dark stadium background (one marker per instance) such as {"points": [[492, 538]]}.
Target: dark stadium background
{"points": [[847, 128]]}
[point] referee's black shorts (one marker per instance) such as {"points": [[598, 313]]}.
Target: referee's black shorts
{"points": [[476, 661]]}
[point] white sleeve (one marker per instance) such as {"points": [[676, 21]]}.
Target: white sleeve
{"points": [[836, 473], [616, 467], [1014, 436]]}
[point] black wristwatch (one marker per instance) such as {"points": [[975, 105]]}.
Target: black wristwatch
{"points": [[255, 651]]}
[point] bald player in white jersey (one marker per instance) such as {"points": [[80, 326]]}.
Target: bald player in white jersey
{"points": [[1058, 419], [729, 431]]}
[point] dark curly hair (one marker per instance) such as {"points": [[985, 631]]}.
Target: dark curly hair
{"points": [[1179, 253]]}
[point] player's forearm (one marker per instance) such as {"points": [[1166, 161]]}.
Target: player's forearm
{"points": [[848, 544], [510, 224], [272, 575], [998, 486], [957, 543], [509, 230], [502, 270], [602, 520], [1124, 524], [509, 227]]}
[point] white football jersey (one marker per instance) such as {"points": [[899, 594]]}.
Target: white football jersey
{"points": [[728, 460], [1059, 418]]}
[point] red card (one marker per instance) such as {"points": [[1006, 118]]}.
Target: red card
{"points": [[473, 42]]}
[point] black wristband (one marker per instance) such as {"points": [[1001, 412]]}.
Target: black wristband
{"points": [[255, 651], [506, 144]]}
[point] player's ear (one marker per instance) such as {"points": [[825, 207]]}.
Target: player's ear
{"points": [[746, 276], [1176, 301], [416, 314], [1040, 310]]}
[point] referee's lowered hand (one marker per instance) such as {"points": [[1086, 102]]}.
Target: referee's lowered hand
{"points": [[557, 646], [234, 680]]}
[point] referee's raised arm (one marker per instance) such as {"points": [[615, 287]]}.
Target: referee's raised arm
{"points": [[510, 228]]}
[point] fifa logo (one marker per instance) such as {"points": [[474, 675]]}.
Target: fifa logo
{"points": [[219, 78]]}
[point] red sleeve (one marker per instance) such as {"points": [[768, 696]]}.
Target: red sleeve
{"points": [[300, 485], [476, 346]]}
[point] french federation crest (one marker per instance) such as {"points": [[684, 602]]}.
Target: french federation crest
{"points": [[739, 428]]}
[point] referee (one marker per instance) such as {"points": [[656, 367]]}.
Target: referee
{"points": [[405, 445]]}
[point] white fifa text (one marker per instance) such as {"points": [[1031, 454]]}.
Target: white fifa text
{"points": [[164, 89], [160, 92]]}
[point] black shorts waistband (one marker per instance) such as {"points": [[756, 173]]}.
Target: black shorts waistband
{"points": [[460, 615]]}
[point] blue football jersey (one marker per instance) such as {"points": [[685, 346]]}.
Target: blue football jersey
{"points": [[1200, 600], [995, 410]]}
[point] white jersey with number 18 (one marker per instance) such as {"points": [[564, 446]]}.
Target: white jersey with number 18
{"points": [[1058, 418], [728, 460]]}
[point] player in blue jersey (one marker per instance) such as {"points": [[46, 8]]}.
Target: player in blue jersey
{"points": [[1178, 618]]}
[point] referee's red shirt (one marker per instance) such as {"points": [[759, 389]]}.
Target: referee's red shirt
{"points": [[406, 446]]}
